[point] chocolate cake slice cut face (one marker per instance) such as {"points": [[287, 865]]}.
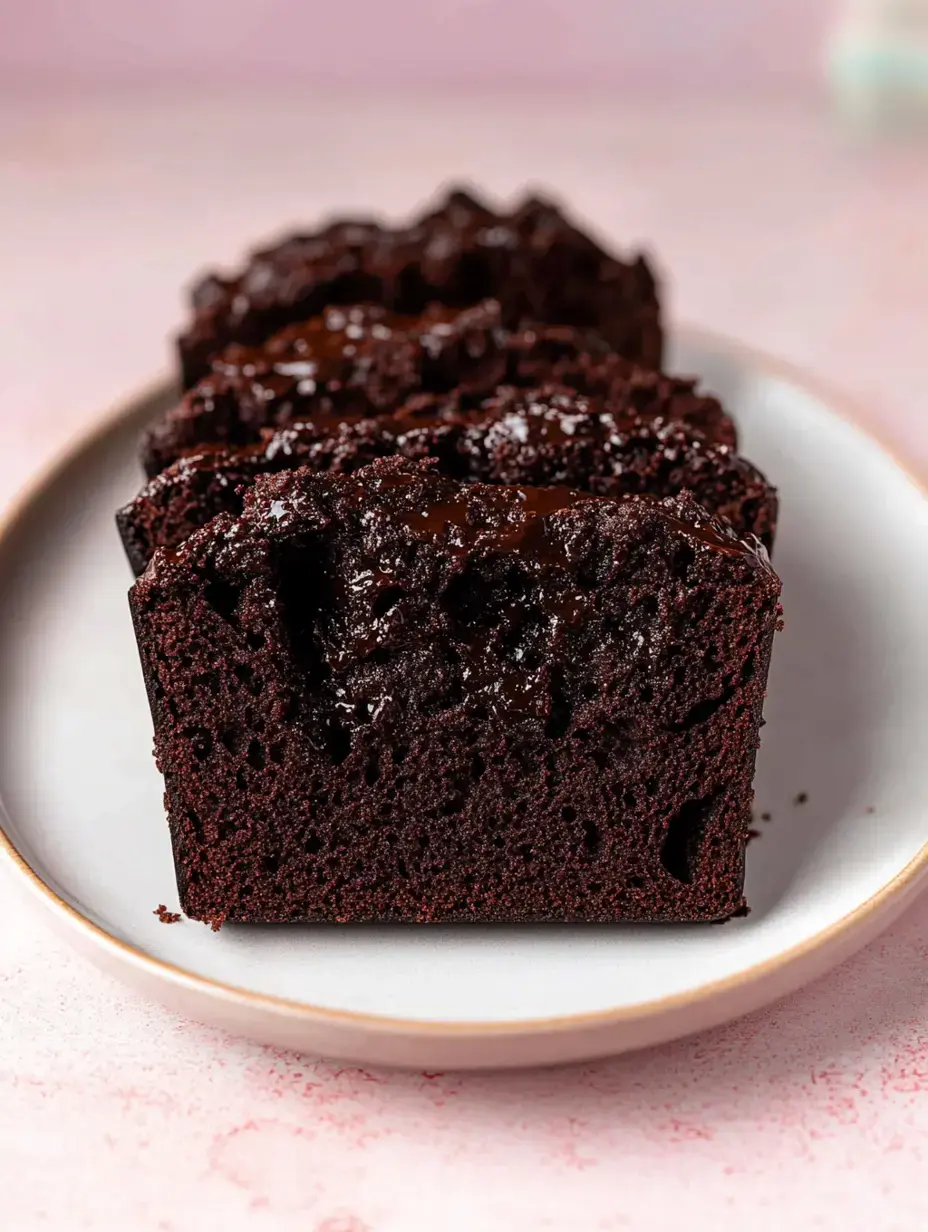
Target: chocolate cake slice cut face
{"points": [[359, 360], [363, 361], [626, 444], [652, 435], [537, 263], [394, 697]]}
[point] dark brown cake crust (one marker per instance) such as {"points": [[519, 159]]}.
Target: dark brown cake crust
{"points": [[362, 360], [535, 261], [542, 437], [390, 696]]}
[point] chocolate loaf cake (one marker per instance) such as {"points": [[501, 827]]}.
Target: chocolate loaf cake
{"points": [[542, 437], [393, 696], [362, 360], [534, 261]]}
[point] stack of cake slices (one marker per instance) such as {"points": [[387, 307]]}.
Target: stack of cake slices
{"points": [[451, 605]]}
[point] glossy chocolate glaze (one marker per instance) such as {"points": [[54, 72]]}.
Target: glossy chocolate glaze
{"points": [[465, 522], [617, 444], [345, 348], [514, 519], [363, 360]]}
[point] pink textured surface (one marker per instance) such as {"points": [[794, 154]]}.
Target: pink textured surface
{"points": [[585, 42], [116, 1115]]}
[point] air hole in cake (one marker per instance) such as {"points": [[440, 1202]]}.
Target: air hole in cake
{"points": [[526, 851], [380, 656], [592, 839], [386, 601], [399, 753], [680, 849], [588, 575], [462, 600], [683, 558], [231, 737], [303, 572], [312, 843], [223, 598], [255, 755], [561, 714], [568, 813], [338, 741], [477, 767], [255, 640], [401, 867], [372, 772], [244, 673], [635, 883], [225, 830], [271, 863], [278, 752], [702, 711], [648, 606]]}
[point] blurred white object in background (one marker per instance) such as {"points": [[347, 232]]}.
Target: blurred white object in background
{"points": [[878, 61]]}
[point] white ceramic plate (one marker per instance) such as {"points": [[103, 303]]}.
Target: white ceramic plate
{"points": [[847, 718]]}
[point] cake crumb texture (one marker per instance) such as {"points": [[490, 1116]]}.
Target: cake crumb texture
{"points": [[392, 696]]}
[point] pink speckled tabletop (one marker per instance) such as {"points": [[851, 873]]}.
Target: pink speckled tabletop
{"points": [[116, 1115]]}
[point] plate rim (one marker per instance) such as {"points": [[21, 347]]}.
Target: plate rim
{"points": [[898, 890]]}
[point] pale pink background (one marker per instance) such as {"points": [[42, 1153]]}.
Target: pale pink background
{"points": [[653, 45], [116, 1116]]}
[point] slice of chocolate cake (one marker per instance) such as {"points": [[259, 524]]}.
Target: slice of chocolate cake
{"points": [[535, 261], [394, 697], [364, 361], [542, 437]]}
